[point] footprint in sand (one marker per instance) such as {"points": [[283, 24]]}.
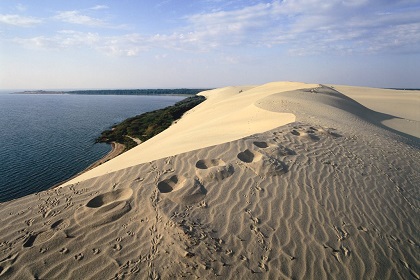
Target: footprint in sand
{"points": [[38, 238], [261, 144], [6, 264], [325, 131], [110, 197], [105, 208], [29, 241], [182, 190], [248, 157], [43, 236], [310, 133], [273, 150], [79, 257], [284, 151], [213, 170], [64, 250], [295, 132], [314, 132], [60, 225], [262, 165], [171, 184]]}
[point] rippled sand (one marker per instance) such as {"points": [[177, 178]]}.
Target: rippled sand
{"points": [[309, 184]]}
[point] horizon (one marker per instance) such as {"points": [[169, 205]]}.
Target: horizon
{"points": [[166, 44], [11, 91], [94, 89]]}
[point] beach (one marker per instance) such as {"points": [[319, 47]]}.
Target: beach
{"points": [[284, 180]]}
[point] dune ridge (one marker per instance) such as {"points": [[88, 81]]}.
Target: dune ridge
{"points": [[333, 193], [227, 114], [402, 105]]}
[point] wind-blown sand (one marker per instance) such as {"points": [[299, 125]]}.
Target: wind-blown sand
{"points": [[402, 106], [279, 181]]}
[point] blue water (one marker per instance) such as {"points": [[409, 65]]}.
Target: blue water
{"points": [[46, 139]]}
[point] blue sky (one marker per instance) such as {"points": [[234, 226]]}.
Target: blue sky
{"points": [[57, 44]]}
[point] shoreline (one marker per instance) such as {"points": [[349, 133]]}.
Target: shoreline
{"points": [[116, 150], [332, 176]]}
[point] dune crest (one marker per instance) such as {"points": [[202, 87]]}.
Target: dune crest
{"points": [[228, 114], [331, 194]]}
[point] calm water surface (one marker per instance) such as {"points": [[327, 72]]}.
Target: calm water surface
{"points": [[46, 139]]}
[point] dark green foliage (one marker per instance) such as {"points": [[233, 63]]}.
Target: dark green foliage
{"points": [[147, 125]]}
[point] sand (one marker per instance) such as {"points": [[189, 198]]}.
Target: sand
{"points": [[228, 114], [280, 181], [402, 106]]}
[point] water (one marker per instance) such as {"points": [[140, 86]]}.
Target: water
{"points": [[46, 139]]}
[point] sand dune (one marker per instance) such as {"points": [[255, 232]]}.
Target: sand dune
{"points": [[320, 190], [402, 105], [228, 114]]}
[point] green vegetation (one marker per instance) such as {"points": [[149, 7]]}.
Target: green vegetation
{"points": [[147, 125]]}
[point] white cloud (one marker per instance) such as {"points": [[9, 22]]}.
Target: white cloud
{"points": [[99, 7], [336, 25], [301, 27], [18, 20], [123, 45], [77, 18]]}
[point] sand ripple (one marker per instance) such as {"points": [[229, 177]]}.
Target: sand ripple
{"points": [[321, 198]]}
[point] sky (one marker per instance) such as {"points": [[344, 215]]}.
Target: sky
{"points": [[95, 44]]}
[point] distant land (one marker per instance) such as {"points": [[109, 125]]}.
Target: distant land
{"points": [[404, 88], [177, 91]]}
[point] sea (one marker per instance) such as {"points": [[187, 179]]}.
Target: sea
{"points": [[48, 138]]}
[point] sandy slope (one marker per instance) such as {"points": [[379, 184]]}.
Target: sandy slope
{"points": [[228, 114], [403, 106], [330, 195]]}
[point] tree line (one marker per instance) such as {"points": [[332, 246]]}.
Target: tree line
{"points": [[149, 124]]}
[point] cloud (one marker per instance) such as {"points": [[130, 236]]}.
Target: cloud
{"points": [[300, 27], [76, 17], [339, 26], [99, 7], [123, 45], [18, 20]]}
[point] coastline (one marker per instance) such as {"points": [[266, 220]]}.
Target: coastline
{"points": [[170, 113], [116, 150], [332, 176]]}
